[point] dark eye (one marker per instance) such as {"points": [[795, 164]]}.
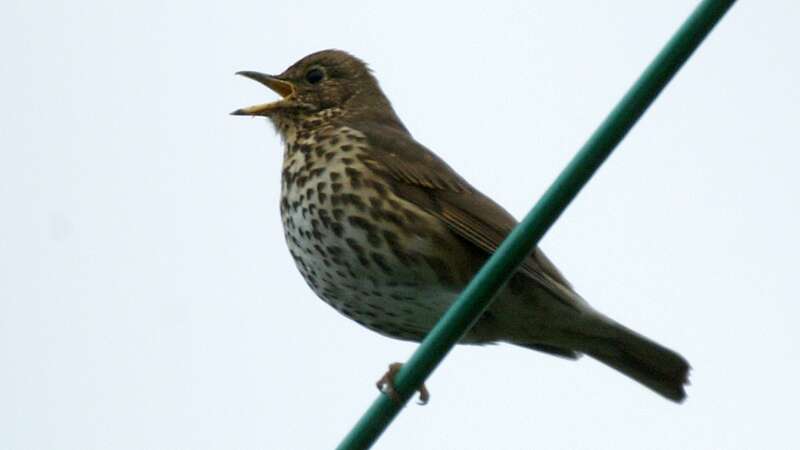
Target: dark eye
{"points": [[314, 75]]}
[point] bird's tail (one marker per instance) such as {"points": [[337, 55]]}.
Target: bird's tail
{"points": [[647, 362], [616, 346]]}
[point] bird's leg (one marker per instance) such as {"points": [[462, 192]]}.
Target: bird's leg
{"points": [[386, 385]]}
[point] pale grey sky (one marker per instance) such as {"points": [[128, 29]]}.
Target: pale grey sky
{"points": [[147, 300]]}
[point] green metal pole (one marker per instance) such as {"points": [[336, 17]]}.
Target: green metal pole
{"points": [[503, 263]]}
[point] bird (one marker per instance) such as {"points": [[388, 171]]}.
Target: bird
{"points": [[388, 234]]}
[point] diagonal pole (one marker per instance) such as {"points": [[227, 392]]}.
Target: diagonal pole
{"points": [[519, 244]]}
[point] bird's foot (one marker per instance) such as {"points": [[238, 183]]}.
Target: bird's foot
{"points": [[386, 385]]}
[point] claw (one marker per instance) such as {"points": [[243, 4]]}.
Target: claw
{"points": [[386, 385], [424, 395]]}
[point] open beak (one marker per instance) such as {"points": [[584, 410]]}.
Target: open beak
{"points": [[283, 88]]}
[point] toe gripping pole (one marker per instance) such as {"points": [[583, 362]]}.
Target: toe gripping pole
{"points": [[519, 244]]}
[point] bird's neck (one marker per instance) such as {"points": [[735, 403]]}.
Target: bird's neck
{"points": [[298, 127], [295, 127]]}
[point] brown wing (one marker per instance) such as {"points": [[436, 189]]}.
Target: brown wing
{"points": [[431, 184]]}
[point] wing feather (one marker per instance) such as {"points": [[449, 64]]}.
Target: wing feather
{"points": [[425, 179]]}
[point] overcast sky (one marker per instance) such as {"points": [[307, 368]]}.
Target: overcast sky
{"points": [[147, 300]]}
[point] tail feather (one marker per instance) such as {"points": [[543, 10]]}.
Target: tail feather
{"points": [[647, 362], [651, 364], [553, 350]]}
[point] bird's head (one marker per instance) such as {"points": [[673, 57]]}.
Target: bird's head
{"points": [[321, 81]]}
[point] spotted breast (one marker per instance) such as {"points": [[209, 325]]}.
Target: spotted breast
{"points": [[361, 248]]}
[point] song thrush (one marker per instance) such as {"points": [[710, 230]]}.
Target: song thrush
{"points": [[388, 234]]}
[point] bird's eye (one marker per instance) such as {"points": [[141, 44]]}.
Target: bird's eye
{"points": [[314, 75]]}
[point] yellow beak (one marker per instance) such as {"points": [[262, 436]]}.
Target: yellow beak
{"points": [[281, 87]]}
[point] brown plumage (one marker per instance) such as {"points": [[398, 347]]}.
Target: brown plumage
{"points": [[388, 234]]}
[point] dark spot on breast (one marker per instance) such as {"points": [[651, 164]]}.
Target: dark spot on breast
{"points": [[390, 237], [288, 177], [440, 268], [370, 229], [376, 214], [347, 161], [380, 261], [337, 229], [295, 241], [324, 217], [354, 200], [354, 245], [397, 250], [411, 216], [355, 177], [346, 148], [334, 176], [379, 188], [393, 218], [373, 239], [359, 251], [362, 223], [336, 187], [375, 202]]}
